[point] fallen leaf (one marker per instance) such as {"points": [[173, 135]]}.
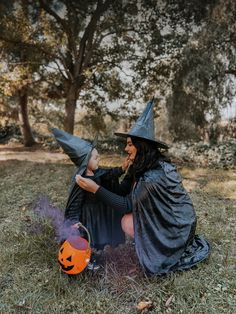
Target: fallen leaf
{"points": [[169, 300], [144, 305]]}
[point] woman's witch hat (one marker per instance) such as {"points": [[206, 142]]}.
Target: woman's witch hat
{"points": [[144, 127], [76, 148]]}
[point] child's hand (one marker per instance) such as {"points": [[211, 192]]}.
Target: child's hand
{"points": [[75, 226], [86, 184], [126, 163]]}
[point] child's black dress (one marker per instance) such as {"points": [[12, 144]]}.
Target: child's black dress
{"points": [[102, 221]]}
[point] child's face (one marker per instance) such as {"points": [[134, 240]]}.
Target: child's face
{"points": [[94, 160]]}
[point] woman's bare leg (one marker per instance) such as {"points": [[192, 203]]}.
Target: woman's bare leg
{"points": [[127, 224]]}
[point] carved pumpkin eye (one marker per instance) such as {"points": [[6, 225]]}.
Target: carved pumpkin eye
{"points": [[69, 258], [61, 250]]}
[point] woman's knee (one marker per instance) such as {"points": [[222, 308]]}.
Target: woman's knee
{"points": [[127, 224]]}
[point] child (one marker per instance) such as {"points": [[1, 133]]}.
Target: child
{"points": [[102, 222]]}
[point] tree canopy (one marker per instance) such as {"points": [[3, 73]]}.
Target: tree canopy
{"points": [[97, 53]]}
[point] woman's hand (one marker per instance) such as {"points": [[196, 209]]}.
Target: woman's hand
{"points": [[86, 184]]}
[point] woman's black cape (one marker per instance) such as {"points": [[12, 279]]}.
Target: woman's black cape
{"points": [[165, 222]]}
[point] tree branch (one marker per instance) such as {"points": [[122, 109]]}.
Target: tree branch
{"points": [[87, 39], [24, 44], [231, 71], [62, 59], [66, 28], [60, 70], [48, 9]]}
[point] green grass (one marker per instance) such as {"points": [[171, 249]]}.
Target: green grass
{"points": [[30, 280]]}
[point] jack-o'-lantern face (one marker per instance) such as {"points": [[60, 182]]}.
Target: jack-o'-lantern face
{"points": [[74, 255]]}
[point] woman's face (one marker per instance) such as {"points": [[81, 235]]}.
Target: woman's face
{"points": [[130, 149], [94, 160]]}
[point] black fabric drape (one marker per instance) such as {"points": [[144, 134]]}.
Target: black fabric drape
{"points": [[102, 221], [164, 221]]}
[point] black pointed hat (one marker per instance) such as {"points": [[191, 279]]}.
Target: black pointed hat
{"points": [[75, 147], [144, 127]]}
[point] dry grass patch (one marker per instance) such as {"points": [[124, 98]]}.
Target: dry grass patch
{"points": [[216, 182]]}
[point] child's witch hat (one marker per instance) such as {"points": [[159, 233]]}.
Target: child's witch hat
{"points": [[76, 148]]}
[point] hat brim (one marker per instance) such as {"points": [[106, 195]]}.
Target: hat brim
{"points": [[82, 168], [159, 144]]}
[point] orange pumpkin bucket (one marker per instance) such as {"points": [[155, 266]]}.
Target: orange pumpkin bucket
{"points": [[74, 254]]}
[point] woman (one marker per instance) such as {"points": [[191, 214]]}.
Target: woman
{"points": [[158, 212]]}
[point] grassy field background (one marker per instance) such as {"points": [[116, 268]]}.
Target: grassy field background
{"points": [[30, 280]]}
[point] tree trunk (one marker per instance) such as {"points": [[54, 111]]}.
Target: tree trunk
{"points": [[24, 119], [70, 107]]}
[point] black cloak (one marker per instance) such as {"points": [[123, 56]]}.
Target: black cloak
{"points": [[165, 223], [101, 220]]}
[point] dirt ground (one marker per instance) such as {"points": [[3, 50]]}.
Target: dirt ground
{"points": [[35, 154], [193, 177]]}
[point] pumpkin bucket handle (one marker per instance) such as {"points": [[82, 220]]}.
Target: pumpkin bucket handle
{"points": [[80, 225]]}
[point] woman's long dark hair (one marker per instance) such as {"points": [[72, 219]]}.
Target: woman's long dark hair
{"points": [[147, 157]]}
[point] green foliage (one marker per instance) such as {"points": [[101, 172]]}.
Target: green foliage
{"points": [[103, 52], [204, 78]]}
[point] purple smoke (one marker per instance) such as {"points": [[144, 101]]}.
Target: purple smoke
{"points": [[62, 227]]}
